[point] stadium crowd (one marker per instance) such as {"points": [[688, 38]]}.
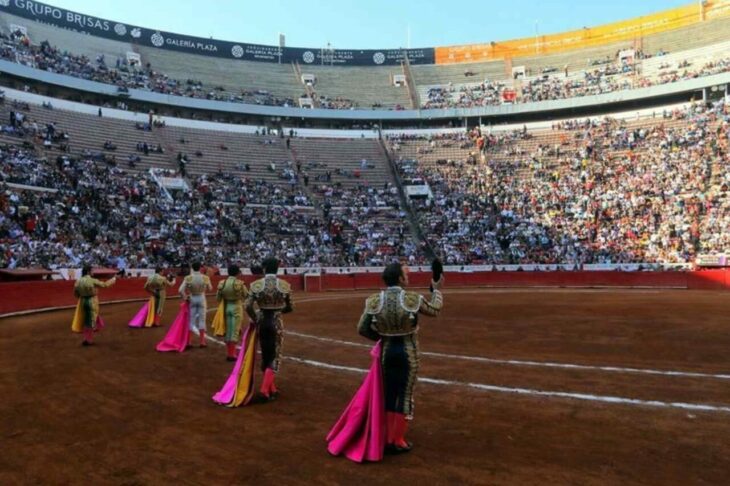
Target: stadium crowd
{"points": [[611, 194], [17, 47], [98, 213], [605, 79], [125, 75], [587, 191]]}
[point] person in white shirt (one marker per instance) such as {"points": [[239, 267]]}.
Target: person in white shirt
{"points": [[193, 289]]}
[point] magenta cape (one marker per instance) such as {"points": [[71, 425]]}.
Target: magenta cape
{"points": [[359, 434], [238, 389], [177, 336], [140, 318]]}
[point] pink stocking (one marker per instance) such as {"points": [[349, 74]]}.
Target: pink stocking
{"points": [[267, 386]]}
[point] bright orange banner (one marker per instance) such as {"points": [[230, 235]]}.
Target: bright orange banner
{"points": [[589, 37]]}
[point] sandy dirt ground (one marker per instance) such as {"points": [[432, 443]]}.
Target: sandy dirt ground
{"points": [[519, 387]]}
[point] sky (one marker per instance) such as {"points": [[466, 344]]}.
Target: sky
{"points": [[380, 24]]}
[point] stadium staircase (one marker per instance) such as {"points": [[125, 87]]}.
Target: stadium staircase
{"points": [[415, 227], [411, 84], [300, 183], [307, 88], [178, 180]]}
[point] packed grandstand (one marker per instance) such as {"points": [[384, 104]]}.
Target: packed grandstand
{"points": [[594, 154]]}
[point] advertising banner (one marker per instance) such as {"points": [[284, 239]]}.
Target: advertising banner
{"points": [[109, 29]]}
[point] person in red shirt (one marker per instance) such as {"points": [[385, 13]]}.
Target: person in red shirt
{"points": [[30, 224]]}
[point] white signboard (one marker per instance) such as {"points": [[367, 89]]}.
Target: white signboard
{"points": [[173, 183], [418, 191]]}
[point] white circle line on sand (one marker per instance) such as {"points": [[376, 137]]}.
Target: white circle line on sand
{"points": [[511, 362], [537, 364], [539, 393], [698, 407]]}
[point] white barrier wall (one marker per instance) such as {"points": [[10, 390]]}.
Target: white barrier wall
{"points": [[59, 104]]}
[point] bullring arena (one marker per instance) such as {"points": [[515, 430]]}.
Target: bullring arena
{"points": [[517, 386], [574, 186]]}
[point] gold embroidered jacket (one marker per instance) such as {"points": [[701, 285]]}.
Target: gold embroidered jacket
{"points": [[157, 283], [86, 286], [232, 290], [394, 312], [270, 293]]}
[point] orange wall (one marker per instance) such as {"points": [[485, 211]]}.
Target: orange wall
{"points": [[580, 39]]}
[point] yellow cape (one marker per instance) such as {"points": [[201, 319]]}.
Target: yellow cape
{"points": [[219, 320], [150, 319], [244, 388], [77, 324]]}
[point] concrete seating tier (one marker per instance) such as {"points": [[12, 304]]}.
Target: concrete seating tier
{"points": [[88, 132], [74, 42]]}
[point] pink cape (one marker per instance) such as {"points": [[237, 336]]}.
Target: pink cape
{"points": [[359, 434], [239, 389], [177, 336], [139, 319]]}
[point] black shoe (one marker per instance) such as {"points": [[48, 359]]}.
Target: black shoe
{"points": [[260, 398], [393, 449], [86, 343], [230, 358], [269, 398]]}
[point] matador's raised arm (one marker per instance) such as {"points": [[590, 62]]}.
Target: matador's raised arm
{"points": [[431, 307]]}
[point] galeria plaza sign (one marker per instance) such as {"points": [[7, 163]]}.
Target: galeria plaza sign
{"points": [[108, 29]]}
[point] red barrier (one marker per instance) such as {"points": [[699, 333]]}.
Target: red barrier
{"points": [[709, 279], [537, 279], [367, 281], [337, 281], [313, 283], [20, 296]]}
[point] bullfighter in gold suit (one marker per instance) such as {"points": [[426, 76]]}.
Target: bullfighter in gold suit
{"points": [[273, 297], [392, 316]]}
